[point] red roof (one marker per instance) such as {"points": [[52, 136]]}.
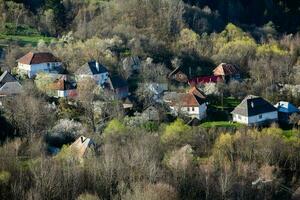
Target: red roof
{"points": [[225, 69], [37, 58], [205, 79]]}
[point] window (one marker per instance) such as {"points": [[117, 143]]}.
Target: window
{"points": [[259, 116], [193, 109], [188, 109], [239, 117]]}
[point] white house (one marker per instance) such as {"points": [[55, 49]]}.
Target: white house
{"points": [[35, 62], [193, 103], [254, 110], [93, 70]]}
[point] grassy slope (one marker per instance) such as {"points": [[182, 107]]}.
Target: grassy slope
{"points": [[225, 124], [22, 40]]}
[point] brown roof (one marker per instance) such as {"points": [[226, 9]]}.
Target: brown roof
{"points": [[196, 91], [225, 69], [37, 58], [193, 98], [62, 84]]}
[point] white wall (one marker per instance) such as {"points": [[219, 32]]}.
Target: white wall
{"points": [[256, 119], [264, 117], [32, 70], [198, 112], [99, 78]]}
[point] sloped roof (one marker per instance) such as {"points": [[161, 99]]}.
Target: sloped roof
{"points": [[194, 97], [205, 79], [10, 88], [37, 58], [196, 91], [286, 107], [117, 82], [253, 105], [63, 84], [91, 68], [80, 146], [225, 69], [7, 77]]}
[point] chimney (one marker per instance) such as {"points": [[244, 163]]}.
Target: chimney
{"points": [[97, 65]]}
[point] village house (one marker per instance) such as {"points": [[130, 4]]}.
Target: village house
{"points": [[285, 110], [63, 87], [35, 62], [152, 114], [9, 85], [227, 72], [202, 80], [118, 86], [178, 75], [127, 103], [254, 110], [93, 70], [193, 103], [131, 64], [81, 147]]}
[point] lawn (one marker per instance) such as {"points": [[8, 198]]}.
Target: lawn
{"points": [[23, 40], [291, 132], [229, 103], [218, 124]]}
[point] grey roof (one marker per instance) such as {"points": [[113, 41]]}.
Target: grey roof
{"points": [[253, 105], [91, 68], [117, 82], [10, 88], [7, 77]]}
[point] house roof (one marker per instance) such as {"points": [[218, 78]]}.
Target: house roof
{"points": [[63, 84], [205, 79], [225, 69], [37, 58], [151, 113], [7, 77], [286, 107], [80, 146], [10, 88], [196, 91], [193, 98], [91, 68], [253, 105], [117, 82]]}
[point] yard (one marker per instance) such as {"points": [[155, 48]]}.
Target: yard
{"points": [[23, 40], [229, 103], [219, 124]]}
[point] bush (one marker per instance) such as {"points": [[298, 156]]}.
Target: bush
{"points": [[114, 127], [177, 133]]}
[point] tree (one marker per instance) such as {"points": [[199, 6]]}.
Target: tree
{"points": [[177, 133], [29, 112], [87, 93]]}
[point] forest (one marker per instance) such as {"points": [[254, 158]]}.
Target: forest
{"points": [[131, 156]]}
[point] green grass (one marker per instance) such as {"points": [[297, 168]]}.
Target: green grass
{"points": [[290, 133], [219, 124], [23, 40], [229, 103]]}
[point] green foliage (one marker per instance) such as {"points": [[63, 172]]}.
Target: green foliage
{"points": [[43, 81], [176, 133], [23, 29], [87, 196], [4, 177], [114, 127], [218, 124], [23, 40], [271, 49]]}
